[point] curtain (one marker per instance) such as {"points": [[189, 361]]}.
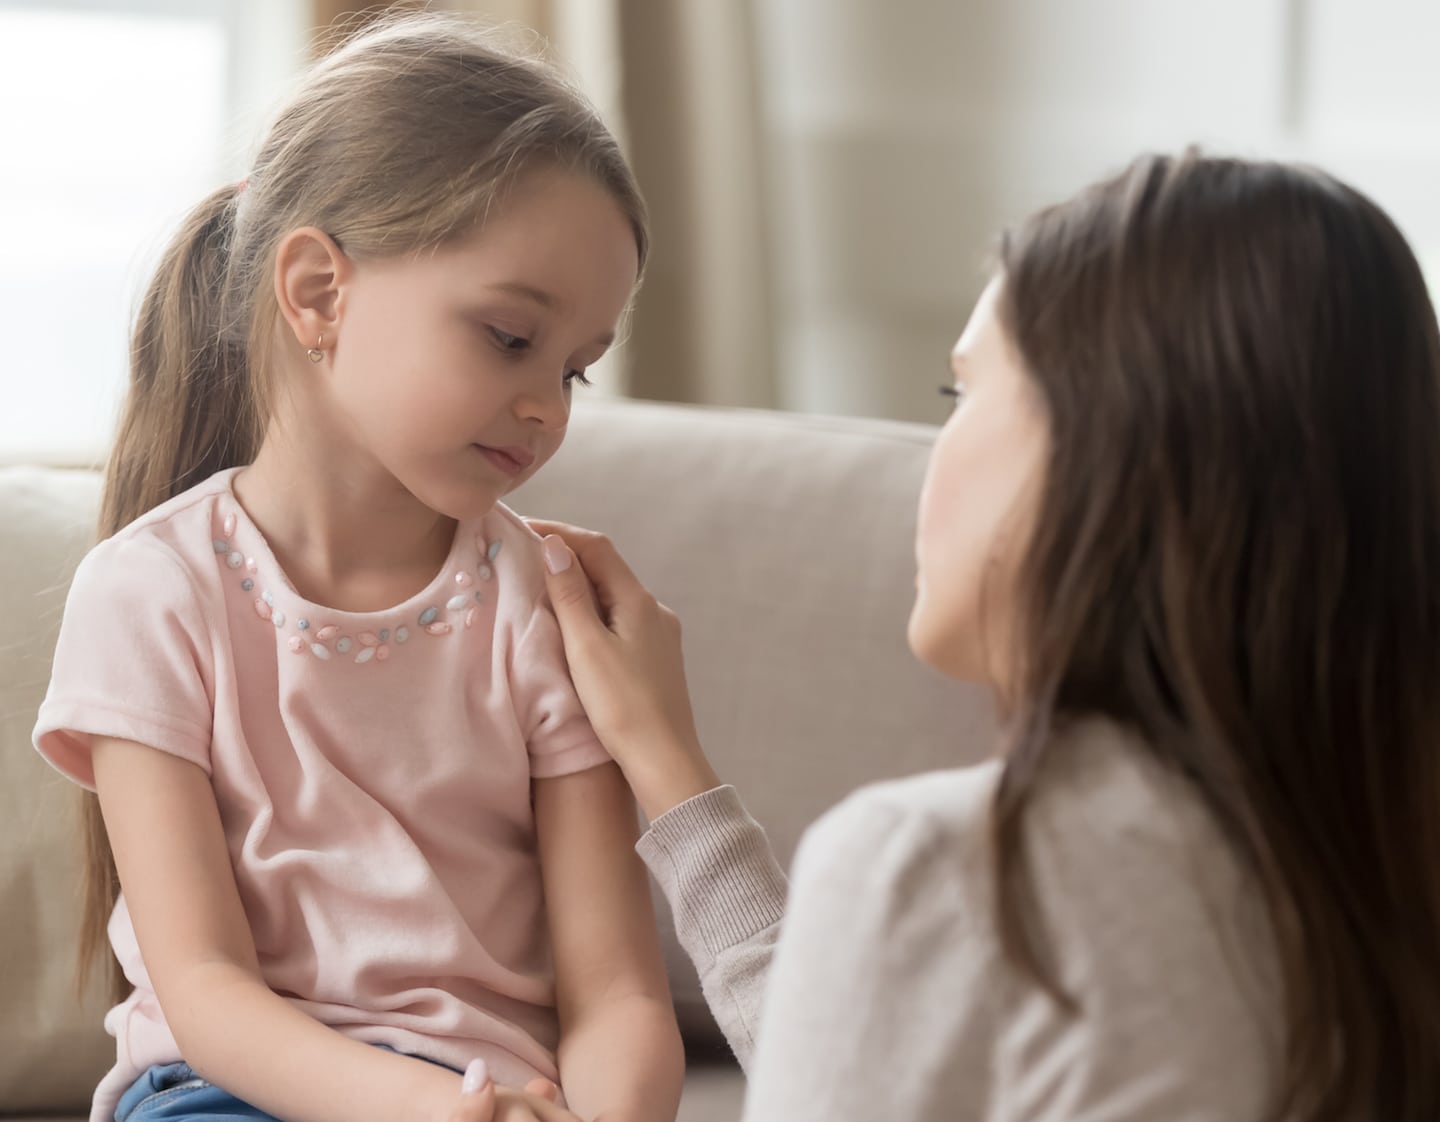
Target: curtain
{"points": [[703, 328]]}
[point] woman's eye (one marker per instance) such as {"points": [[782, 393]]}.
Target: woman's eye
{"points": [[509, 342], [572, 376], [953, 390]]}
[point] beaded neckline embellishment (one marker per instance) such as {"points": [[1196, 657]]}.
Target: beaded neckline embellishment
{"points": [[328, 642]]}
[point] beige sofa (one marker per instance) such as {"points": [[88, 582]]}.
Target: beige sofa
{"points": [[783, 542]]}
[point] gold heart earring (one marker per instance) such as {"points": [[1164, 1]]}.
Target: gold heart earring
{"points": [[315, 354]]}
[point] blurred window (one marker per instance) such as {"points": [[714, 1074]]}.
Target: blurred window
{"points": [[118, 116]]}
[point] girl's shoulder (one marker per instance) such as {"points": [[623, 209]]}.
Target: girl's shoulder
{"points": [[509, 526], [511, 551], [167, 550], [189, 524]]}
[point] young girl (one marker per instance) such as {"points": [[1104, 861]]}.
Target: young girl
{"points": [[1185, 523], [312, 674]]}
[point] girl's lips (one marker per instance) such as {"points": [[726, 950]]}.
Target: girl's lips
{"points": [[512, 461]]}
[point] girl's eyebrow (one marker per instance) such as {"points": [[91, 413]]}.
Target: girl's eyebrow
{"points": [[544, 299], [529, 292]]}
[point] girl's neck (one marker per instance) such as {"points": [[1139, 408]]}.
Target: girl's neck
{"points": [[346, 533]]}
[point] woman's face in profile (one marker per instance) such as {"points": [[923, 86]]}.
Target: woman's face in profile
{"points": [[978, 504]]}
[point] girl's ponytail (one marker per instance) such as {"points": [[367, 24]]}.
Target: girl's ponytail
{"points": [[189, 412], [190, 409]]}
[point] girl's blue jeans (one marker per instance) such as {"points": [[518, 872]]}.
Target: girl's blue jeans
{"points": [[174, 1093]]}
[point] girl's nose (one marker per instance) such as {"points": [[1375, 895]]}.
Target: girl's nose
{"points": [[547, 405]]}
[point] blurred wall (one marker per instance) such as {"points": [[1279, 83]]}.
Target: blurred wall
{"points": [[902, 136], [826, 177]]}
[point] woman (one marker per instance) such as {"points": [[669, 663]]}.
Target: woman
{"points": [[1185, 523]]}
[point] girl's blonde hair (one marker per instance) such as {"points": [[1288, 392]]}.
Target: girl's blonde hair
{"points": [[397, 142]]}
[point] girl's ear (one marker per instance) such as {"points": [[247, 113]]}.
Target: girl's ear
{"points": [[310, 274]]}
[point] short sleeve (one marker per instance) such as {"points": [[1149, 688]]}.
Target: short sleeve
{"points": [[132, 661], [557, 732]]}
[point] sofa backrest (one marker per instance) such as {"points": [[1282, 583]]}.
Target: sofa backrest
{"points": [[784, 542], [52, 1049], [786, 545]]}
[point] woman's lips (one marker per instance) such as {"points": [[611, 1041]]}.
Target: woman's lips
{"points": [[512, 461]]}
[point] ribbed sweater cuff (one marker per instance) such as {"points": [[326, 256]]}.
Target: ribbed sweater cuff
{"points": [[715, 866]]}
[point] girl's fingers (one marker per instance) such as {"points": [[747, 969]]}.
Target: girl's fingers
{"points": [[477, 1095], [544, 1089]]}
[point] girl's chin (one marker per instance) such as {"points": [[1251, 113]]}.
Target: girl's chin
{"points": [[463, 501]]}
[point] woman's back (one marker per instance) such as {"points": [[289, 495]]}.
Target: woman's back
{"points": [[1157, 933]]}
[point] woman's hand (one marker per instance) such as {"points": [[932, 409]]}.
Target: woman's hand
{"points": [[482, 1101], [624, 652]]}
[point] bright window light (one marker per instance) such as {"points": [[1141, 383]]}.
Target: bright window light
{"points": [[113, 127]]}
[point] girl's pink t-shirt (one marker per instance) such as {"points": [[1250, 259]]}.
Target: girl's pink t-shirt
{"points": [[373, 773]]}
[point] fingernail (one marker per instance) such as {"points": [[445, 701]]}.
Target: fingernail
{"points": [[557, 553], [476, 1076]]}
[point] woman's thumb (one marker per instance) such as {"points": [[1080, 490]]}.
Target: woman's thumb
{"points": [[558, 558], [569, 587]]}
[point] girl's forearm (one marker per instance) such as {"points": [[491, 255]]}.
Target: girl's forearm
{"points": [[239, 1035], [623, 1061]]}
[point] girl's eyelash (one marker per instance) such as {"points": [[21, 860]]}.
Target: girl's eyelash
{"points": [[514, 344], [509, 342], [950, 390]]}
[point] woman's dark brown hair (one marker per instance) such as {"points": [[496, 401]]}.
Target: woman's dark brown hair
{"points": [[1237, 556]]}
